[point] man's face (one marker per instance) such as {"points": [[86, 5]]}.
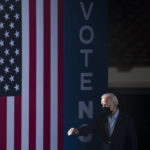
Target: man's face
{"points": [[107, 103]]}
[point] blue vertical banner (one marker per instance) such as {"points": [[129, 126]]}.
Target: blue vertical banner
{"points": [[85, 64]]}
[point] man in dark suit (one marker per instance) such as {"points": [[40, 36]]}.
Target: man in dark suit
{"points": [[116, 129]]}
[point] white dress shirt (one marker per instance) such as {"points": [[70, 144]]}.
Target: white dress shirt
{"points": [[112, 122]]}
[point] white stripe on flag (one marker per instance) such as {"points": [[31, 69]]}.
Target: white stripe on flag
{"points": [[54, 74], [10, 123], [25, 76], [39, 73]]}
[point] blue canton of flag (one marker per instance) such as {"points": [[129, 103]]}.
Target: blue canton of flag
{"points": [[10, 48]]}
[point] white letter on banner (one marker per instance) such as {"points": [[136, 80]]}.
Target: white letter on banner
{"points": [[86, 14], [91, 37], [84, 82], [84, 109], [87, 138], [86, 52]]}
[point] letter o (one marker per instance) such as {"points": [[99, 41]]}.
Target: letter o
{"points": [[82, 39]]}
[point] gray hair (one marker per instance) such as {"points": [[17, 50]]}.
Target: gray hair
{"points": [[112, 97]]}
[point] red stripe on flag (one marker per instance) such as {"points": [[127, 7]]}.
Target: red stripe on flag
{"points": [[60, 74], [3, 122], [17, 124], [46, 132], [32, 75]]}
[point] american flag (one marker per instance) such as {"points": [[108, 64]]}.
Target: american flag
{"points": [[31, 74]]}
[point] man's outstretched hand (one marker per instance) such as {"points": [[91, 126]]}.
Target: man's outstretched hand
{"points": [[73, 131]]}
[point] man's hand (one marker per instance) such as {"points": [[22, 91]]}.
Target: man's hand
{"points": [[72, 131]]}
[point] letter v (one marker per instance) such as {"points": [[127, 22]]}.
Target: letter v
{"points": [[86, 14]]}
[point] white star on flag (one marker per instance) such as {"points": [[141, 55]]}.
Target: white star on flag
{"points": [[11, 78], [1, 25], [11, 43], [17, 52], [1, 61], [11, 61], [17, 69], [17, 34], [17, 87], [6, 87], [6, 16], [16, 16], [6, 52], [11, 25], [6, 69], [6, 34], [11, 7], [1, 78], [1, 7], [1, 43]]}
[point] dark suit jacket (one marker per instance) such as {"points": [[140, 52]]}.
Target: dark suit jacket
{"points": [[123, 137]]}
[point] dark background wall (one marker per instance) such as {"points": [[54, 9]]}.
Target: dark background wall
{"points": [[129, 48]]}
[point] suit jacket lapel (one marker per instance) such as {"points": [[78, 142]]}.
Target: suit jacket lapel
{"points": [[106, 126]]}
